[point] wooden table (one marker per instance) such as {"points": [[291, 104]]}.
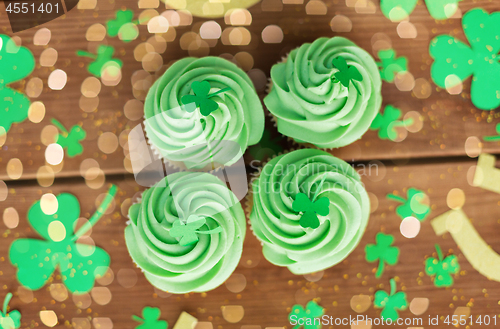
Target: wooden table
{"points": [[439, 157]]}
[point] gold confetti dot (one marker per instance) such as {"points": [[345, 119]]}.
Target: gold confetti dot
{"points": [[42, 37], [34, 87], [418, 305], [57, 79], [360, 303], [107, 142], [4, 192], [14, 168], [102, 323], [49, 204], [455, 198], [48, 57], [36, 112], [91, 87], [127, 278], [233, 313], [49, 318], [10, 217], [272, 34], [89, 104], [101, 295], [473, 146], [236, 283], [58, 291], [96, 32], [54, 154]]}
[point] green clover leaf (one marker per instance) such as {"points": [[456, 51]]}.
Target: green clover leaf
{"points": [[398, 10], [390, 303], [102, 60], [382, 251], [412, 206], [310, 209], [390, 65], [123, 25], [150, 319], [387, 122], [10, 320], [70, 140], [201, 98], [79, 264], [493, 138], [442, 268], [307, 316], [16, 63], [188, 231], [346, 73], [454, 61], [267, 147]]}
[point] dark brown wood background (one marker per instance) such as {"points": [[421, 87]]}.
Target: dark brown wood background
{"points": [[435, 159]]}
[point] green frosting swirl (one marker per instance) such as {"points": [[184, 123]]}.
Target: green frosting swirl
{"points": [[310, 107], [276, 224], [176, 133], [198, 267]]}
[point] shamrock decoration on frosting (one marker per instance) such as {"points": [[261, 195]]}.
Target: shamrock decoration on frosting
{"points": [[415, 204], [307, 317], [398, 10], [79, 264], [391, 65], [454, 61], [493, 138], [442, 268], [16, 63], [123, 26], [346, 73], [387, 122], [150, 319], [310, 209], [390, 303], [11, 320], [102, 60], [70, 140], [382, 251], [188, 231], [201, 98]]}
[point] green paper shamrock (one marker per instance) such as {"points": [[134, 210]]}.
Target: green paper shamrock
{"points": [[188, 231], [398, 10], [16, 63], [346, 73], [150, 319], [390, 65], [390, 303], [102, 60], [10, 320], [70, 141], [388, 121], [201, 98], [442, 268], [454, 61], [123, 25], [79, 264], [310, 209], [412, 206], [382, 251], [267, 147], [493, 138], [306, 318]]}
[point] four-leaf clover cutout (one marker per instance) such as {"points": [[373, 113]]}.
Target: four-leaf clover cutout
{"points": [[11, 320], [387, 122], [70, 140], [79, 264], [306, 317], [102, 60], [454, 61], [150, 319], [390, 303], [123, 26], [398, 10], [390, 65], [416, 204], [346, 73], [310, 209], [16, 63], [188, 231], [383, 251], [442, 268], [201, 98]]}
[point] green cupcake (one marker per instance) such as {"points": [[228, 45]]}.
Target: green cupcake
{"points": [[314, 101], [310, 210], [197, 104], [187, 233]]}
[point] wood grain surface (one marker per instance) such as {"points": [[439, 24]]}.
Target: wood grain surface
{"points": [[439, 157]]}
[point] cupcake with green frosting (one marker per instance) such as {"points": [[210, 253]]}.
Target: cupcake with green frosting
{"points": [[325, 93], [196, 105], [187, 233], [310, 210]]}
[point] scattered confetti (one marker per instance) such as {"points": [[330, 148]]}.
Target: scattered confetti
{"points": [[188, 231], [441, 268], [150, 319], [398, 10], [11, 320], [382, 251], [414, 205], [305, 318], [387, 122], [390, 65], [102, 60], [201, 98], [390, 303], [310, 209], [70, 140], [123, 25], [346, 73]]}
